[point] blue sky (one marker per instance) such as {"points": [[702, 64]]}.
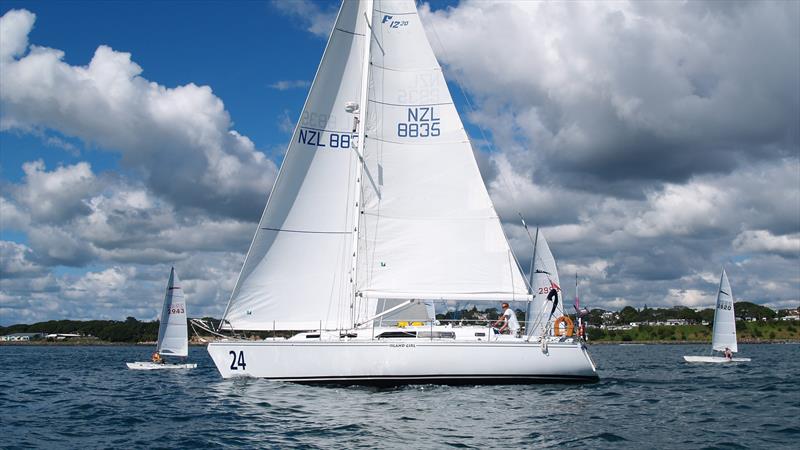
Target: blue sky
{"points": [[643, 138], [230, 47]]}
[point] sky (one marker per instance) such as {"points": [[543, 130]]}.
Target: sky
{"points": [[652, 142]]}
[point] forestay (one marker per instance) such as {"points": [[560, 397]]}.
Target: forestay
{"points": [[724, 318], [297, 272], [173, 338], [545, 278], [429, 229]]}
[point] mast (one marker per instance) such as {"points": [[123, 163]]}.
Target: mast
{"points": [[362, 121], [533, 259], [577, 302], [529, 311]]}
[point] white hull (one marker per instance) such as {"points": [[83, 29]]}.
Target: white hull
{"points": [[713, 359], [404, 361], [147, 365]]}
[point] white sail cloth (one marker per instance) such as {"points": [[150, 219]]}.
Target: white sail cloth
{"points": [[430, 230], [297, 273], [724, 335], [173, 335], [545, 278], [426, 226]]}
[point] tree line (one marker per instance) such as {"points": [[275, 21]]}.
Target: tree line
{"points": [[130, 330]]}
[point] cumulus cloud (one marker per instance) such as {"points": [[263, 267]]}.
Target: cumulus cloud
{"points": [[58, 195], [317, 19], [765, 242], [15, 261], [613, 96], [179, 138], [72, 217], [645, 138], [285, 85], [126, 234]]}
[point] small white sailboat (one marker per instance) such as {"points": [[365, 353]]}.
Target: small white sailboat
{"points": [[724, 332], [173, 335], [378, 211]]}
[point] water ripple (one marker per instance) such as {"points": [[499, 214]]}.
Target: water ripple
{"points": [[83, 397]]}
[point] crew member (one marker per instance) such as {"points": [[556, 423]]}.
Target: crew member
{"points": [[728, 353], [509, 321]]}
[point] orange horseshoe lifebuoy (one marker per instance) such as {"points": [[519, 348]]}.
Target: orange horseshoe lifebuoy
{"points": [[568, 322]]}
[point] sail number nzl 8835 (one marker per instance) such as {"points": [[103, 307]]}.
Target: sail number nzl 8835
{"points": [[420, 122]]}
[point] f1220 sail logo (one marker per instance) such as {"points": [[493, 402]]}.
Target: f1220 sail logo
{"points": [[394, 23]]}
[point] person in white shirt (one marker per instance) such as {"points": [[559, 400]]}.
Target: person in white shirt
{"points": [[509, 320]]}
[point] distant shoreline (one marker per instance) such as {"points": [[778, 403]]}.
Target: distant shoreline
{"points": [[99, 343]]}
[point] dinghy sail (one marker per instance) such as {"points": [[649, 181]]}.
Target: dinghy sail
{"points": [[378, 206], [173, 335], [724, 332], [547, 303]]}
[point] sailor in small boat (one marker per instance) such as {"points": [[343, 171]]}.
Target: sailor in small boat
{"points": [[728, 353], [157, 359], [509, 321]]}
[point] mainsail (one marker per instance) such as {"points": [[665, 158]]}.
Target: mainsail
{"points": [[423, 223], [544, 280], [173, 337], [724, 318]]}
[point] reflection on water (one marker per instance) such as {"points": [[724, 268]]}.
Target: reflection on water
{"points": [[647, 396]]}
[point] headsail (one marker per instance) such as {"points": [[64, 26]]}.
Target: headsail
{"points": [[297, 272], [724, 318], [173, 335], [545, 280], [430, 230]]}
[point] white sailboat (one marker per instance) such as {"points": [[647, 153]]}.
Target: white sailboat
{"points": [[379, 210], [724, 332], [173, 336]]}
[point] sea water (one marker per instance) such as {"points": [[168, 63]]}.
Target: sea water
{"points": [[84, 397]]}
